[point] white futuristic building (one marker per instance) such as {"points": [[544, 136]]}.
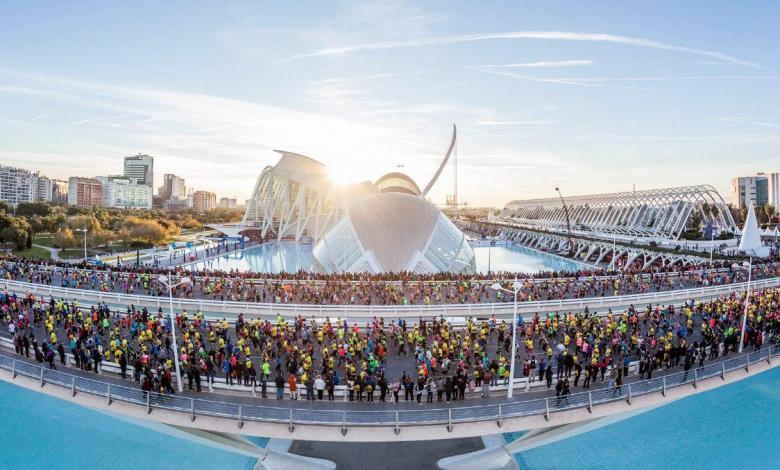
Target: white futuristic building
{"points": [[651, 214], [387, 226], [396, 230], [296, 199]]}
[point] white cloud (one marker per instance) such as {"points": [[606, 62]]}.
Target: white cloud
{"points": [[543, 35], [540, 64]]}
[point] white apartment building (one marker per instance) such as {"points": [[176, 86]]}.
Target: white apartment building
{"points": [[125, 193], [17, 185]]}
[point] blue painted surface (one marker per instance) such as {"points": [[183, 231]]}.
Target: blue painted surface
{"points": [[40, 431], [290, 257], [734, 426]]}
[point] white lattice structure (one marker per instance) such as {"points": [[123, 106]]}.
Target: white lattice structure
{"points": [[296, 198], [656, 213]]}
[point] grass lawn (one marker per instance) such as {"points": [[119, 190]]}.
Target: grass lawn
{"points": [[34, 252], [45, 239]]}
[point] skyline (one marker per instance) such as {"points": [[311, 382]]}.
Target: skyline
{"points": [[566, 95]]}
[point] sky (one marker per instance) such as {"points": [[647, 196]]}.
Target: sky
{"points": [[586, 96]]}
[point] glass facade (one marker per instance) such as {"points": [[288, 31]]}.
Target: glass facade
{"points": [[340, 250]]}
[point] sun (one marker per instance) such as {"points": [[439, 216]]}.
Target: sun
{"points": [[345, 173]]}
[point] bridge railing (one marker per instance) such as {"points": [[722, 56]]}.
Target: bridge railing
{"points": [[346, 417], [370, 311]]}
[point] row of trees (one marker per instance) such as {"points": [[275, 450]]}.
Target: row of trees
{"points": [[133, 228]]}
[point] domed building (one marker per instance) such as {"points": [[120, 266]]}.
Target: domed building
{"points": [[387, 226], [393, 232]]}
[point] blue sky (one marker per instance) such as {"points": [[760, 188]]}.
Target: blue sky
{"points": [[588, 96]]}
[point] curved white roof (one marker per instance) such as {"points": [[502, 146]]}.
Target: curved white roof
{"points": [[393, 232]]}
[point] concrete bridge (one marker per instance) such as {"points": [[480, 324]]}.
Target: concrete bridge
{"points": [[354, 422], [220, 309]]}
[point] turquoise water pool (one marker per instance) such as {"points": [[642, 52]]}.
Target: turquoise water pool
{"points": [[291, 257], [517, 258], [734, 426], [44, 432]]}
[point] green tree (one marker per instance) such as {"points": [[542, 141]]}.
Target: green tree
{"points": [[16, 232], [65, 238], [28, 209]]}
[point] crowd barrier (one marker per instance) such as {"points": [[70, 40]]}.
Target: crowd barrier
{"points": [[345, 418], [483, 310]]}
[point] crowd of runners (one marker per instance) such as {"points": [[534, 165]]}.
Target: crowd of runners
{"points": [[356, 289], [386, 360]]}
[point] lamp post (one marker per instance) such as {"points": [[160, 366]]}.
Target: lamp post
{"points": [[84, 231], [568, 221], [164, 279], [712, 243], [515, 289], [747, 304], [614, 249]]}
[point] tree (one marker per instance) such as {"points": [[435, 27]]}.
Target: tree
{"points": [[64, 238], [29, 236], [769, 210], [16, 232], [28, 209]]}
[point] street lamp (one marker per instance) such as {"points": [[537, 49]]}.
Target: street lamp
{"points": [[747, 302], [84, 231], [515, 289], [184, 281]]}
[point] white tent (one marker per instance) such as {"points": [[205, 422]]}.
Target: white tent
{"points": [[750, 242]]}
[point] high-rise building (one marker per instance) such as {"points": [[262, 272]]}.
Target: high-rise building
{"points": [[59, 191], [774, 189], [17, 185], [140, 167], [172, 188], [44, 189], [747, 189], [203, 201], [228, 203], [124, 193], [85, 192]]}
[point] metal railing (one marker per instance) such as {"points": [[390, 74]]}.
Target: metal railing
{"points": [[346, 418], [393, 311]]}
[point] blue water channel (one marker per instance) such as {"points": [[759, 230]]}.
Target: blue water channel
{"points": [[290, 257], [40, 431], [734, 426]]}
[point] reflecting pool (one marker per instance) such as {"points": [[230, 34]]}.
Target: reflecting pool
{"points": [[278, 257]]}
